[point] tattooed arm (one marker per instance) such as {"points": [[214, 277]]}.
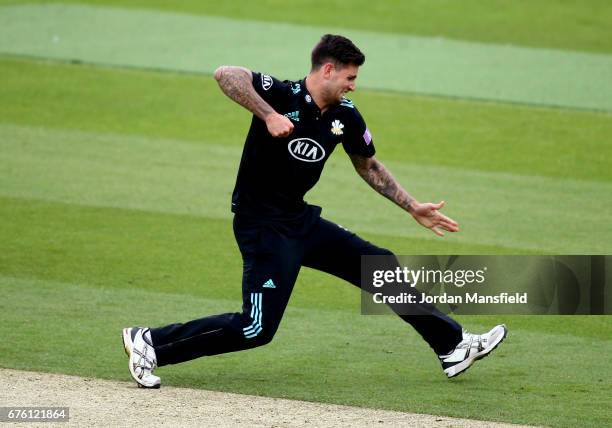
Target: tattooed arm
{"points": [[381, 180], [237, 84]]}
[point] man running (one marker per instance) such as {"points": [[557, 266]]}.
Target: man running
{"points": [[296, 126]]}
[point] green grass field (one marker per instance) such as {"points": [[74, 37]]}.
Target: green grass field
{"points": [[115, 186]]}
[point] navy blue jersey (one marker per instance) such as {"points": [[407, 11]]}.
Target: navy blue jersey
{"points": [[276, 173]]}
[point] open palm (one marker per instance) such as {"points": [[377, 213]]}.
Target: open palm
{"points": [[429, 216]]}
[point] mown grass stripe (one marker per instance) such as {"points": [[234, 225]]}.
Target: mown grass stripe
{"points": [[477, 136], [397, 62], [180, 254], [400, 92], [578, 26], [317, 355], [173, 176]]}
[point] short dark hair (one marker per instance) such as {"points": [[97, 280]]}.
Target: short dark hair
{"points": [[336, 49]]}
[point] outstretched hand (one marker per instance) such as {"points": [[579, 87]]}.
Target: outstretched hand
{"points": [[428, 216]]}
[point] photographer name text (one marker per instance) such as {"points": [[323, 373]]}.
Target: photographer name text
{"points": [[411, 298]]}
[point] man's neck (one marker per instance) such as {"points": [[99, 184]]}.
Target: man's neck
{"points": [[313, 86]]}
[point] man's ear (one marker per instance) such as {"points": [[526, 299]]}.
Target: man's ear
{"points": [[327, 69]]}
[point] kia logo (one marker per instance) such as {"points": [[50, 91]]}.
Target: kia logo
{"points": [[306, 149]]}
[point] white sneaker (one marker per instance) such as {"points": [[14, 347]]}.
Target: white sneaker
{"points": [[139, 348], [472, 348]]}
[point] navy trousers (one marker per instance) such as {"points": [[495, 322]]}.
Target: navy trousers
{"points": [[272, 258]]}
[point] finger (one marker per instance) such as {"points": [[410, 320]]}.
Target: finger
{"points": [[288, 129], [437, 231], [450, 228], [449, 225], [448, 220], [438, 205], [284, 132], [287, 123]]}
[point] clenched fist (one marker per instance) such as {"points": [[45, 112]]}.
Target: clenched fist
{"points": [[278, 125]]}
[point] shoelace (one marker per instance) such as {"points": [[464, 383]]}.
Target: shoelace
{"points": [[144, 361], [469, 341], [148, 363], [477, 341]]}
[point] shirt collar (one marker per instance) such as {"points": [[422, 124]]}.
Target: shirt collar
{"points": [[308, 101]]}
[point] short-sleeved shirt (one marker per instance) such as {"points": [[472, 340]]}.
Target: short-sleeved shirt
{"points": [[276, 173]]}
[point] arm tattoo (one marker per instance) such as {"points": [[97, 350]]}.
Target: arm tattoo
{"points": [[381, 180], [237, 84]]}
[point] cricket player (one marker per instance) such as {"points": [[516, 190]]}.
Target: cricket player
{"points": [[295, 128]]}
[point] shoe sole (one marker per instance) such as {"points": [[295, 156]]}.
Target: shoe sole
{"points": [[468, 363], [127, 346]]}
